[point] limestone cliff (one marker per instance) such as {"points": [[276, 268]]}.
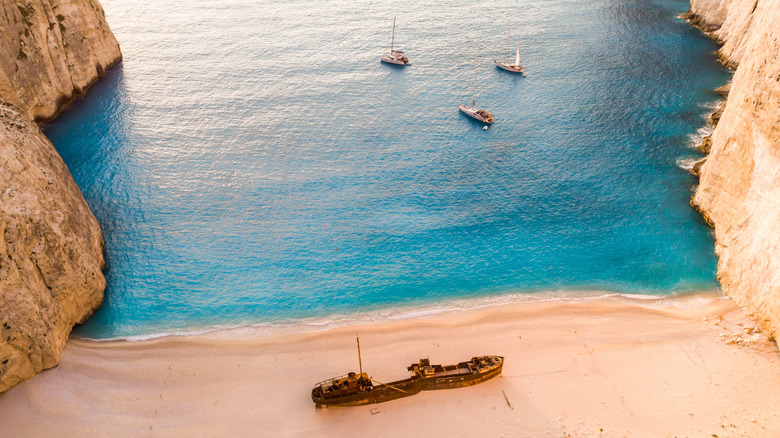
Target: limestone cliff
{"points": [[51, 247], [739, 190]]}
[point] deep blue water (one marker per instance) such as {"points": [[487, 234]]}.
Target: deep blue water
{"points": [[252, 162]]}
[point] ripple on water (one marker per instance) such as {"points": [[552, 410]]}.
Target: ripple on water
{"points": [[256, 164]]}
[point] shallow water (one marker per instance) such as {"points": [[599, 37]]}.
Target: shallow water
{"points": [[253, 162]]}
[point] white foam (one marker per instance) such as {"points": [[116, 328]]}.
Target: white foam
{"points": [[712, 106], [688, 301], [694, 140], [687, 163]]}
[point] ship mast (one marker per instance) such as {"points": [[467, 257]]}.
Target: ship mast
{"points": [[360, 361], [474, 91], [392, 40]]}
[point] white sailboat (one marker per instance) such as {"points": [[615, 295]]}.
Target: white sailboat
{"points": [[515, 67], [395, 57], [474, 111]]}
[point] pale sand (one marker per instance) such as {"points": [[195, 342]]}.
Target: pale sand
{"points": [[606, 367]]}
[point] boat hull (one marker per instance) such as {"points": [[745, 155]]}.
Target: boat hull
{"points": [[509, 67], [378, 394], [394, 61], [474, 114], [461, 381], [358, 391]]}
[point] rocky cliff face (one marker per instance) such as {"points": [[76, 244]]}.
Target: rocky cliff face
{"points": [[52, 51], [51, 247], [739, 190]]}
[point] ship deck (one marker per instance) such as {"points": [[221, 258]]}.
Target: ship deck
{"points": [[452, 370]]}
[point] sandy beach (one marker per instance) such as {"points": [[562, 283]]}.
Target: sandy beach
{"points": [[609, 367]]}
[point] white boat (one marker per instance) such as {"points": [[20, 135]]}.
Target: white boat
{"points": [[515, 67], [477, 113], [395, 57], [474, 111]]}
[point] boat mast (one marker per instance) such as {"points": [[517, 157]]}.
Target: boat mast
{"points": [[506, 52], [517, 55], [474, 91], [392, 39], [360, 361]]}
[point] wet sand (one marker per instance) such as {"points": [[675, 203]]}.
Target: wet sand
{"points": [[609, 367]]}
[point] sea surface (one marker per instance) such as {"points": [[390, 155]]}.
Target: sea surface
{"points": [[253, 163]]}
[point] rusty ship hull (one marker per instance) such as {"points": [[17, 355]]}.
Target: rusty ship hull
{"points": [[357, 390], [460, 375], [367, 395]]}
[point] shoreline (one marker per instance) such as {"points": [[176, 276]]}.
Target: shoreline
{"points": [[600, 367], [407, 312]]}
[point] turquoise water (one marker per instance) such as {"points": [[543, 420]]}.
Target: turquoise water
{"points": [[253, 162]]}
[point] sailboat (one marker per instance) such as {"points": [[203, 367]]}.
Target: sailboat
{"points": [[514, 68], [395, 57], [473, 111]]}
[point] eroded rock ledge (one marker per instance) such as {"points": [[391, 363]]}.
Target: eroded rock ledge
{"points": [[739, 190], [51, 247]]}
